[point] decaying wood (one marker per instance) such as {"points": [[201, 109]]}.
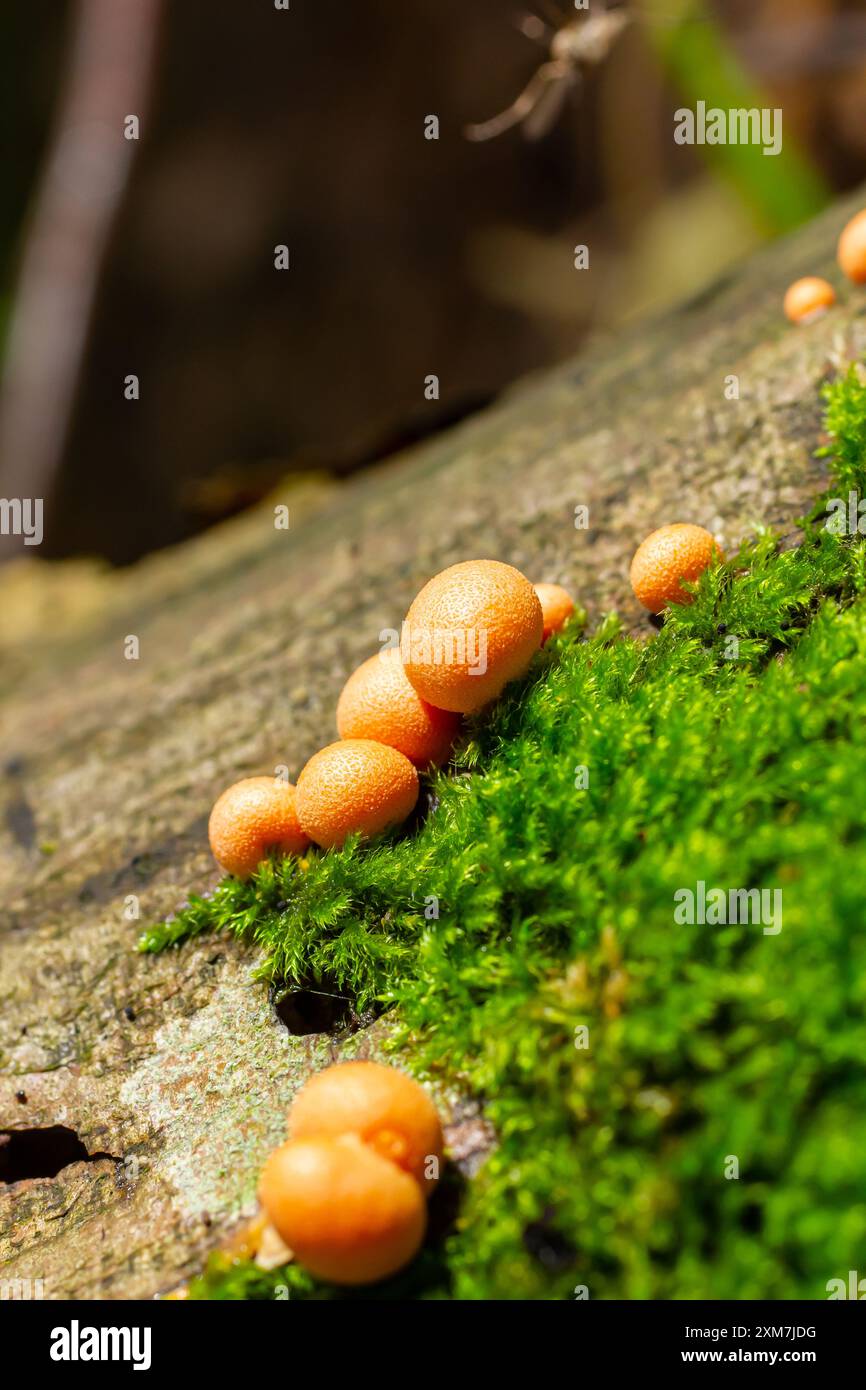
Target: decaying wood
{"points": [[176, 1067]]}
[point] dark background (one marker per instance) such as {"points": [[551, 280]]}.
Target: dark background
{"points": [[409, 256]]}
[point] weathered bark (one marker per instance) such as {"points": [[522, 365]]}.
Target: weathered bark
{"points": [[246, 637]]}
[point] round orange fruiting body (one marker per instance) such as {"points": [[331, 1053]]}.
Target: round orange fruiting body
{"points": [[471, 630], [356, 784], [851, 252], [666, 558], [346, 1213], [557, 606], [382, 1106], [250, 820], [808, 299], [378, 702]]}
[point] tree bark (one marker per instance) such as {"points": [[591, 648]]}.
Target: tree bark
{"points": [[176, 1067]]}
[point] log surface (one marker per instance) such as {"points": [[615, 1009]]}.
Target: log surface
{"points": [[174, 1071]]}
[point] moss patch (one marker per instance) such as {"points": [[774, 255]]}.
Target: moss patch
{"points": [[728, 750]]}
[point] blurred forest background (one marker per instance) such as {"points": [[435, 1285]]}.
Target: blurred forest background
{"points": [[408, 256]]}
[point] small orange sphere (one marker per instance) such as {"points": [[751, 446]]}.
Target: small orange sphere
{"points": [[357, 784], [378, 702], [808, 299], [471, 630], [254, 817], [383, 1106], [557, 607], [347, 1214], [666, 558], [851, 251]]}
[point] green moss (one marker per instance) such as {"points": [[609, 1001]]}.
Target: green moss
{"points": [[730, 749], [234, 1280], [845, 422]]}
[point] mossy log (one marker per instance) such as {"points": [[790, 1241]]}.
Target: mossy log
{"points": [[175, 1071]]}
